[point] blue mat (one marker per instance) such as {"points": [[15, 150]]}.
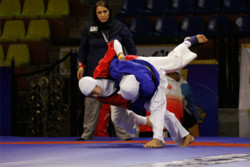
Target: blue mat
{"points": [[110, 152]]}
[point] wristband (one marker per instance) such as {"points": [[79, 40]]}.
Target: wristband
{"points": [[80, 65], [193, 40], [121, 55]]}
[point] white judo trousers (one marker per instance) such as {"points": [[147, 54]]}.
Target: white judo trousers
{"points": [[159, 116]]}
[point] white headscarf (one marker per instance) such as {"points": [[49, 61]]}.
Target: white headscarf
{"points": [[129, 87], [181, 81], [86, 85]]}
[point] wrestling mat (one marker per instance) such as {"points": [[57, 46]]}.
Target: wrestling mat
{"points": [[110, 152]]}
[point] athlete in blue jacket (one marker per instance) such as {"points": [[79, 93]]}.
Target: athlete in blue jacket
{"points": [[131, 85]]}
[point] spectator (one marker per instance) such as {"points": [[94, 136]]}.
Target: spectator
{"points": [[174, 104], [174, 98], [190, 114]]}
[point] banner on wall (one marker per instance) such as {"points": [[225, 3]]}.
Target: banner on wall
{"points": [[244, 94], [5, 101], [202, 77], [151, 50]]}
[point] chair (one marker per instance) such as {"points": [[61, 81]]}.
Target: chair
{"points": [[141, 26], [166, 26], [243, 23], [156, 8], [181, 7], [38, 30], [20, 53], [192, 25], [57, 8], [32, 9], [218, 25], [131, 7], [10, 8], [207, 6], [121, 19], [2, 57], [13, 30], [233, 6], [248, 6]]}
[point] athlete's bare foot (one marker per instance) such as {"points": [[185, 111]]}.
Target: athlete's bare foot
{"points": [[155, 143], [200, 38], [149, 123], [187, 140]]}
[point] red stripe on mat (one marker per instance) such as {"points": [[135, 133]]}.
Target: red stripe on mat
{"points": [[96, 142]]}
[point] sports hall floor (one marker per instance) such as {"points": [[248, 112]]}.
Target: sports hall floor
{"points": [[110, 152]]}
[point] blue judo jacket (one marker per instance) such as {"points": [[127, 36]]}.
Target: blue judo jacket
{"points": [[144, 72]]}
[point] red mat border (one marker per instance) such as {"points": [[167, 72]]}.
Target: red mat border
{"points": [[215, 144]]}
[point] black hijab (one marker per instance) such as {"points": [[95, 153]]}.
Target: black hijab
{"points": [[112, 26]]}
